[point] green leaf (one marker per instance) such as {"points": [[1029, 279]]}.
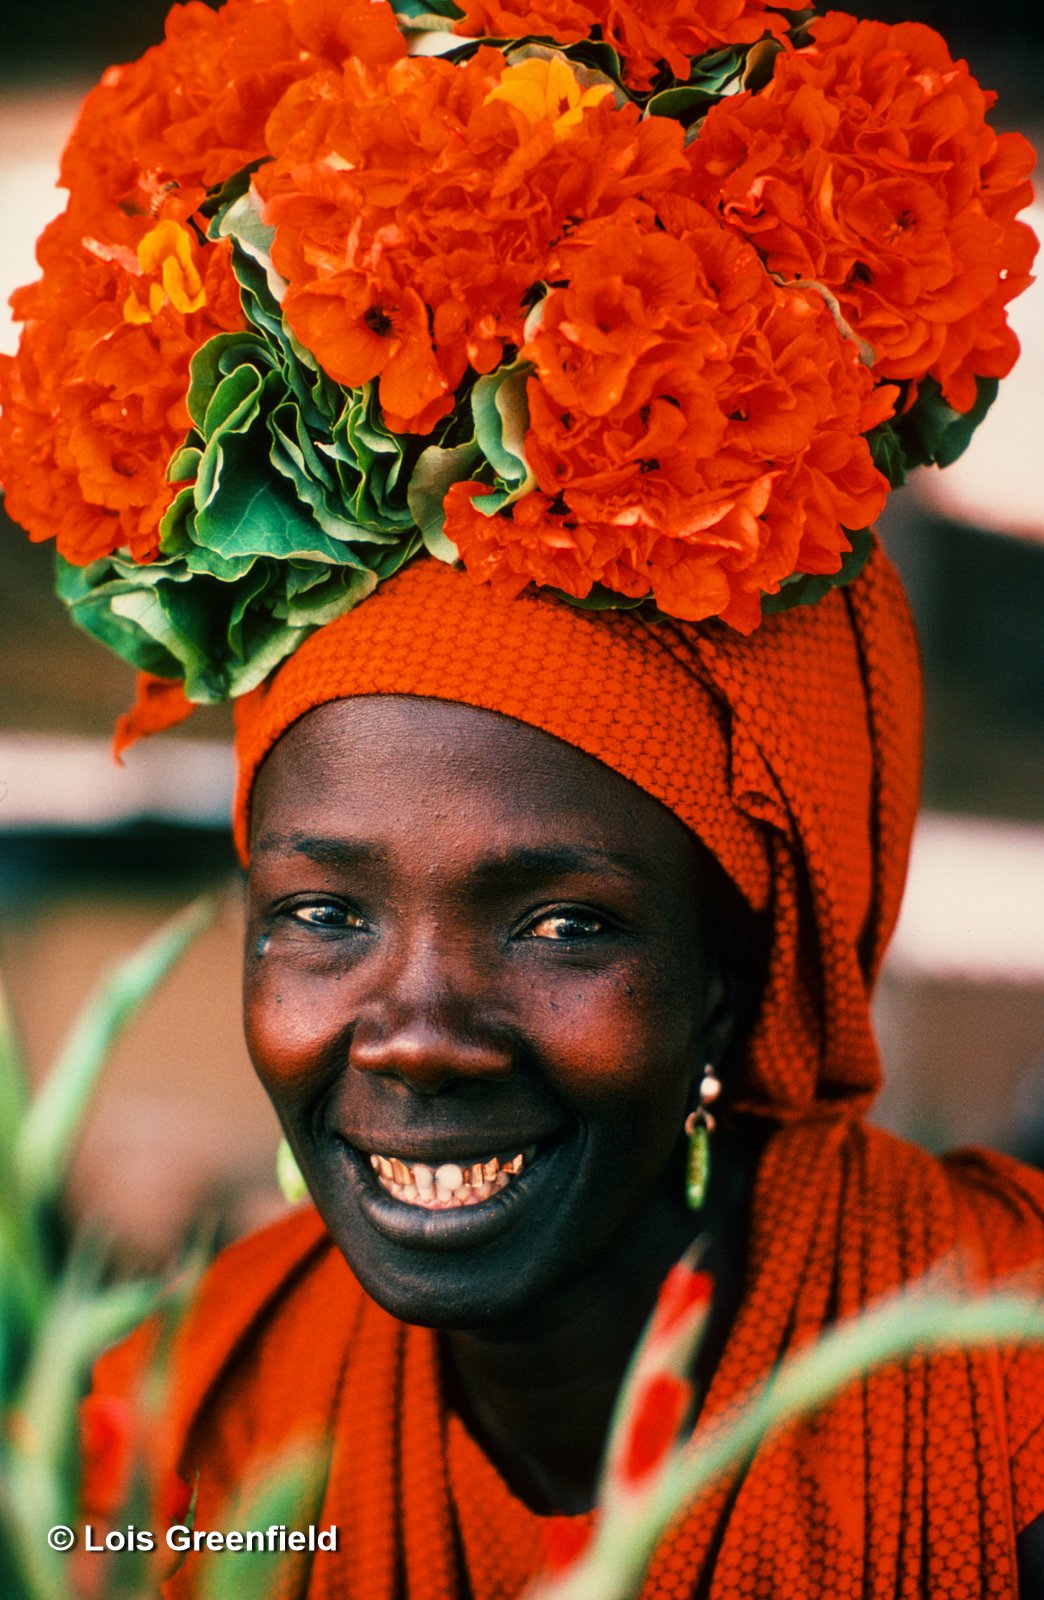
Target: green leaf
{"points": [[91, 592], [426, 13], [220, 200], [889, 457], [433, 476], [211, 363], [40, 1468], [243, 224], [259, 515], [287, 1497], [48, 1132], [288, 1175], [718, 69], [501, 412], [682, 102], [602, 599], [184, 464], [804, 589], [234, 402], [14, 1079], [932, 431], [154, 612]]}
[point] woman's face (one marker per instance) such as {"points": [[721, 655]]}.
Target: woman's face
{"points": [[470, 943]]}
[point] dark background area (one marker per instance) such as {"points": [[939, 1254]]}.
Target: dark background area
{"points": [[52, 38]]}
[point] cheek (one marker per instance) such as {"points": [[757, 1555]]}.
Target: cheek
{"points": [[292, 1030], [628, 1045]]}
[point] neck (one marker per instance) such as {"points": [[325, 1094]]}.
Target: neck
{"points": [[539, 1393]]}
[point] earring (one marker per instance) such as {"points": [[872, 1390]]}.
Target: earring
{"points": [[699, 1125]]}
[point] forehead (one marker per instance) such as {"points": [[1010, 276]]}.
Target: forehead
{"points": [[424, 765]]}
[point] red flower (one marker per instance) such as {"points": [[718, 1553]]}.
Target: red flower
{"points": [[94, 404], [648, 34], [565, 1540], [108, 1432], [659, 1407], [867, 164], [113, 1449], [683, 1295], [696, 432], [415, 208], [173, 1501]]}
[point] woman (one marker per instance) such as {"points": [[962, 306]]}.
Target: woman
{"points": [[533, 888], [469, 942]]}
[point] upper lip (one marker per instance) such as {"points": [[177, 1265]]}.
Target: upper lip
{"points": [[450, 1147]]}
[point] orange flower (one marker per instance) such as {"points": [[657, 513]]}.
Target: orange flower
{"points": [[648, 34], [867, 164], [94, 404], [166, 255], [154, 135], [433, 190], [365, 30], [696, 432]]}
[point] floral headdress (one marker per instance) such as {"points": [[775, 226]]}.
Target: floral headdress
{"points": [[644, 302]]}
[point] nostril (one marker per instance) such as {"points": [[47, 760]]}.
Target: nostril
{"points": [[426, 1055]]}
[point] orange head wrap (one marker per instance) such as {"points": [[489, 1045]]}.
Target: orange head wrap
{"points": [[792, 755]]}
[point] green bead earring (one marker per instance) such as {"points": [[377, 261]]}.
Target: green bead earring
{"points": [[699, 1125]]}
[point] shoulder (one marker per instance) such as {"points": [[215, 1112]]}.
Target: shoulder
{"points": [[987, 1207], [985, 1213], [249, 1281], [260, 1348], [1002, 1202]]}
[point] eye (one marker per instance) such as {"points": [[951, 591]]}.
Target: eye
{"points": [[325, 914], [566, 926]]}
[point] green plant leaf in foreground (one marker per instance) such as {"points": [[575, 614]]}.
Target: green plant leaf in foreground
{"points": [[285, 1498], [288, 1175], [40, 1454], [912, 1323], [14, 1082], [45, 1140]]}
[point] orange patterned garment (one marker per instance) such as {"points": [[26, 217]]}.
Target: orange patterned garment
{"points": [[793, 755]]}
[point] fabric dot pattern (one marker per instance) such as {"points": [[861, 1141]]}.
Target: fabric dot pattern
{"points": [[793, 756]]}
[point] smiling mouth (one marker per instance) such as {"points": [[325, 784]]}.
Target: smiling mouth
{"points": [[451, 1185]]}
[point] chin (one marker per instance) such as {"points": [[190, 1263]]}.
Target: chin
{"points": [[467, 1266]]}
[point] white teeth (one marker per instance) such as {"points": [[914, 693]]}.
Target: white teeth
{"points": [[447, 1180], [450, 1185]]}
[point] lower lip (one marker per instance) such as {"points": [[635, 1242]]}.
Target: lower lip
{"points": [[460, 1228]]}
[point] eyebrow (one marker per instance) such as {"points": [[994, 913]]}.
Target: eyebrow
{"points": [[549, 861], [526, 861], [323, 851]]}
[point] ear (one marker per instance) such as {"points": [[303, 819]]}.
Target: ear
{"points": [[722, 1019]]}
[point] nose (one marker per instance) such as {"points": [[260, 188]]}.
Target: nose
{"points": [[426, 1021]]}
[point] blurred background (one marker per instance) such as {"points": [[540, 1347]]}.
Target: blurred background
{"points": [[92, 857]]}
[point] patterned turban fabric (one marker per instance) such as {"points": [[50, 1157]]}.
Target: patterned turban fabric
{"points": [[793, 755]]}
